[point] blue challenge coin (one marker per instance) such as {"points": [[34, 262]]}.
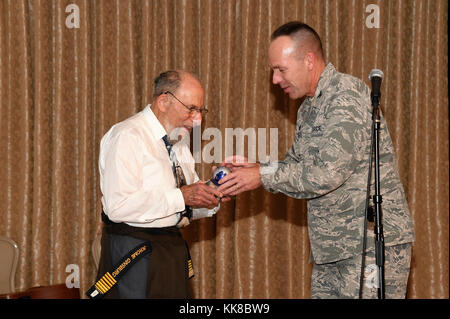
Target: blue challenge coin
{"points": [[219, 173]]}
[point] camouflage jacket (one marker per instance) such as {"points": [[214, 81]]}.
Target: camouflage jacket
{"points": [[328, 165]]}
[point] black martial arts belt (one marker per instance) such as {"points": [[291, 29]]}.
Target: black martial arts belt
{"points": [[108, 280]]}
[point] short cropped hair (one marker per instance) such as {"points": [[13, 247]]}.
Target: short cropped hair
{"points": [[300, 31], [166, 81]]}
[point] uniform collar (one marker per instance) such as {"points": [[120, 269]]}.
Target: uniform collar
{"points": [[324, 80]]}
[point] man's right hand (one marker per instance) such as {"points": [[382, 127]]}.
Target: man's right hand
{"points": [[200, 195]]}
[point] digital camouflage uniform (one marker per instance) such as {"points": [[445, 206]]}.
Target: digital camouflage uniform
{"points": [[328, 165]]}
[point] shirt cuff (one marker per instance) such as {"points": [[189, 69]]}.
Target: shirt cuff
{"points": [[268, 168], [175, 200], [198, 213], [267, 171]]}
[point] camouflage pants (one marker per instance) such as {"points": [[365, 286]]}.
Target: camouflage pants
{"points": [[341, 279]]}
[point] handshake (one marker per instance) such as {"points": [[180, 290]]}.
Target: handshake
{"points": [[244, 176]]}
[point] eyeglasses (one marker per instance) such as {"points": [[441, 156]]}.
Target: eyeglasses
{"points": [[192, 109]]}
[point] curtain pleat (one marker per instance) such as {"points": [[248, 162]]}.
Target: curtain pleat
{"points": [[62, 88]]}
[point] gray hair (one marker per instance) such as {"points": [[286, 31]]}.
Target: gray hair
{"points": [[166, 81]]}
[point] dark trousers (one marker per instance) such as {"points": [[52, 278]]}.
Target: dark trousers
{"points": [[161, 274]]}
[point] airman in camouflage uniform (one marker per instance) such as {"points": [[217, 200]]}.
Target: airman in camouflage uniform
{"points": [[328, 164]]}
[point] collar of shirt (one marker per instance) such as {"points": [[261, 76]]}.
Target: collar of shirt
{"points": [[324, 80], [155, 127]]}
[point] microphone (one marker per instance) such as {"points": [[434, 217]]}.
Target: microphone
{"points": [[376, 76]]}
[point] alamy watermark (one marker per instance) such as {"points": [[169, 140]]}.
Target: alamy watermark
{"points": [[73, 18], [373, 19], [252, 143], [73, 279]]}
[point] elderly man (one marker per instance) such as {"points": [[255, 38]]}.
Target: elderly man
{"points": [[150, 189], [328, 164]]}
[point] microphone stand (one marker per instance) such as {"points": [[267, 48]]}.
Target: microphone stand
{"points": [[377, 198]]}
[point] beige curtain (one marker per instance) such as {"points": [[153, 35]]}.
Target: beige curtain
{"points": [[62, 88]]}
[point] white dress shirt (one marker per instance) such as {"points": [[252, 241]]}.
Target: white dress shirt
{"points": [[136, 177]]}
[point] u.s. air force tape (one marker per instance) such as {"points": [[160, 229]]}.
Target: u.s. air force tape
{"points": [[108, 280]]}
